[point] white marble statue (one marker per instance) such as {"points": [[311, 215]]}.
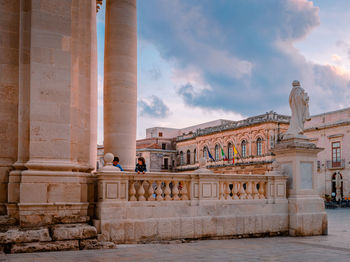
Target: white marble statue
{"points": [[299, 105], [338, 181]]}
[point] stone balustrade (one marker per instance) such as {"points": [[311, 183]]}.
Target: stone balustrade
{"points": [[129, 186], [132, 207]]}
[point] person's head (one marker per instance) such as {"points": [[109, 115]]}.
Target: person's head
{"points": [[116, 160], [141, 161]]}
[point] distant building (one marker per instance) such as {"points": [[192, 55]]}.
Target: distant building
{"points": [[252, 137], [158, 149], [331, 131]]}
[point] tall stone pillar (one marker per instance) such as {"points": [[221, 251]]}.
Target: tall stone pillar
{"points": [[56, 112], [297, 157], [9, 45], [120, 81]]}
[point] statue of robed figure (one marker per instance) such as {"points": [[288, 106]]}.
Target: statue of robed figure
{"points": [[299, 105]]}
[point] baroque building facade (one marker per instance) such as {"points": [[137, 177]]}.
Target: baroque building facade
{"points": [[251, 139], [331, 131]]}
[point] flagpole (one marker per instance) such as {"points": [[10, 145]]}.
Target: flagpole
{"points": [[236, 149]]}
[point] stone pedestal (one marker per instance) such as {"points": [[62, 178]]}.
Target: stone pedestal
{"points": [[297, 158]]}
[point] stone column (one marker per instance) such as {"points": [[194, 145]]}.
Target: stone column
{"points": [[57, 112], [9, 44], [120, 81], [297, 158]]}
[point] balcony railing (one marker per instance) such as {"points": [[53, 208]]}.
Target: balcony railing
{"points": [[129, 186], [336, 164], [226, 163]]}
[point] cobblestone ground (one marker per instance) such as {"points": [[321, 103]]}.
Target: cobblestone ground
{"points": [[334, 247]]}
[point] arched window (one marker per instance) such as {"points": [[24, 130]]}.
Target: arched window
{"points": [[259, 146], [195, 156], [217, 153], [229, 151], [181, 158], [188, 157], [244, 148], [205, 152]]}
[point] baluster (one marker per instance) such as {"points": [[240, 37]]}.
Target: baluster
{"points": [[221, 191], [249, 190], [242, 194], [175, 190], [227, 190], [132, 191], [255, 191], [167, 191], [261, 190], [150, 191], [141, 192], [159, 191], [184, 193], [235, 191]]}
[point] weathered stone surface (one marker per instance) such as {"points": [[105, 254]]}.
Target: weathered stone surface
{"points": [[70, 219], [95, 244], [23, 236], [67, 231], [6, 221], [45, 246]]}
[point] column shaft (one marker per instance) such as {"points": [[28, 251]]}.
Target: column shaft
{"points": [[120, 81]]}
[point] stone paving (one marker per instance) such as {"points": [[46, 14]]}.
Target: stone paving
{"points": [[334, 247]]}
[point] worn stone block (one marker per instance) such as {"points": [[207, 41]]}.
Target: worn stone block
{"points": [[117, 231], [129, 230], [146, 230], [187, 228], [67, 231], [22, 236], [45, 246], [95, 244], [208, 226], [229, 224], [164, 228]]}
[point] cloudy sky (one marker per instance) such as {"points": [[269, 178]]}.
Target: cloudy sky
{"points": [[200, 60]]}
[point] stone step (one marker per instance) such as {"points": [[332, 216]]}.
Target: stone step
{"points": [[73, 231], [18, 235], [51, 238]]}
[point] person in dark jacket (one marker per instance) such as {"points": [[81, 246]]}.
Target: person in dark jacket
{"points": [[141, 166]]}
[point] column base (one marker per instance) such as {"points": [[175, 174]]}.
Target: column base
{"points": [[307, 216]]}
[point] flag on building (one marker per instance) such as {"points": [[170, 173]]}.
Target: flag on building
{"points": [[235, 152], [223, 154], [210, 156]]}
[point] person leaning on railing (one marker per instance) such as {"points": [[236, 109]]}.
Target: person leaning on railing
{"points": [[141, 166]]}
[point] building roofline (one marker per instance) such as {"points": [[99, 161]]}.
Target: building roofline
{"points": [[155, 150], [332, 112], [259, 119]]}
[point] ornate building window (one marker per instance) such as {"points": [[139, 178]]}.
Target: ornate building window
{"points": [[259, 146], [336, 155], [195, 156], [205, 152], [244, 148], [181, 158], [229, 151], [217, 153], [188, 157]]}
